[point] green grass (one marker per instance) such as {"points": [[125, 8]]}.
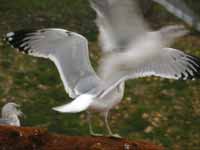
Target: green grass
{"points": [[170, 109]]}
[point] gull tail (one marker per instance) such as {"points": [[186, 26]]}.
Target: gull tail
{"points": [[80, 104]]}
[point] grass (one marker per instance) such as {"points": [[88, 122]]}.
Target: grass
{"points": [[164, 111]]}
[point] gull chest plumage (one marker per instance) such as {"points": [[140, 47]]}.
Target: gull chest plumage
{"points": [[130, 50], [14, 119]]}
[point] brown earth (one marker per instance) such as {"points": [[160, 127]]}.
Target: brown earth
{"points": [[27, 138]]}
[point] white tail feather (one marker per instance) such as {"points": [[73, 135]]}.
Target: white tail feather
{"points": [[81, 103]]}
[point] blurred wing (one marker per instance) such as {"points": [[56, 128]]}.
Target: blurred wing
{"points": [[68, 50], [169, 63], [181, 10], [145, 48], [119, 23], [172, 64]]}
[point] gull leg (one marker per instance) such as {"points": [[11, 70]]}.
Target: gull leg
{"points": [[110, 133], [90, 125]]}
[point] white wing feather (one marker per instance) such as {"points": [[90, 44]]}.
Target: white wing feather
{"points": [[119, 22], [69, 52]]}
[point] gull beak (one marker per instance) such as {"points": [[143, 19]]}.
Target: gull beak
{"points": [[21, 114], [17, 105]]}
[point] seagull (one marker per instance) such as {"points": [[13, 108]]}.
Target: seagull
{"points": [[130, 49], [182, 11], [10, 114]]}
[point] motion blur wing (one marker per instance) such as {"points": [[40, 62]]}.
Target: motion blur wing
{"points": [[181, 10], [148, 56], [170, 63], [119, 22]]}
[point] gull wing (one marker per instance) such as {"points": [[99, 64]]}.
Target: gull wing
{"points": [[181, 10], [136, 51], [146, 48], [169, 63], [149, 57], [68, 51], [119, 22]]}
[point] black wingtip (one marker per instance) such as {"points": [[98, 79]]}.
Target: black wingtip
{"points": [[17, 38], [195, 62]]}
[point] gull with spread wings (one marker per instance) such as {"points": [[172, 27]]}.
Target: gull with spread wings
{"points": [[130, 50]]}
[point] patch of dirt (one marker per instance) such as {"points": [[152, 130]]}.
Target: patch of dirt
{"points": [[27, 138]]}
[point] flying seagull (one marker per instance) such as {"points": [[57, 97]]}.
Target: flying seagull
{"points": [[10, 114], [182, 11], [130, 50]]}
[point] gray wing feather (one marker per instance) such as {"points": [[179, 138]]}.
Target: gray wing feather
{"points": [[170, 63], [68, 50], [126, 30], [181, 10], [119, 23]]}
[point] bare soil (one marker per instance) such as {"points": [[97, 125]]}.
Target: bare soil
{"points": [[27, 138]]}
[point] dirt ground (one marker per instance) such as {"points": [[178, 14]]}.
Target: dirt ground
{"points": [[27, 138]]}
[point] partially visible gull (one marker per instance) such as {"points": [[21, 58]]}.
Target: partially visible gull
{"points": [[130, 50], [181, 10], [10, 114]]}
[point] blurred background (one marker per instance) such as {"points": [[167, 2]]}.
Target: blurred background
{"points": [[164, 111]]}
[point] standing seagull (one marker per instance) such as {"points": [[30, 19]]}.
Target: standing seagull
{"points": [[130, 50], [10, 114]]}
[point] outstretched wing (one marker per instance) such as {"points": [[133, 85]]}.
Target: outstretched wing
{"points": [[181, 10], [68, 50], [119, 22], [148, 56], [169, 63], [140, 52]]}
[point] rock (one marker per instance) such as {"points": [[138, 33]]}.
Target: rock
{"points": [[27, 138]]}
